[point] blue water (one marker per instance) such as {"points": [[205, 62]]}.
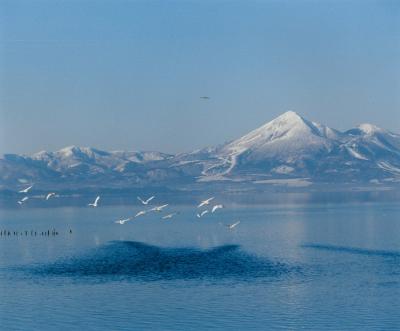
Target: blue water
{"points": [[311, 267]]}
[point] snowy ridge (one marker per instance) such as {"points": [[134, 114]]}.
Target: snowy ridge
{"points": [[73, 156]]}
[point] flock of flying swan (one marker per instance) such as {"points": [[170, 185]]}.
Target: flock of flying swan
{"points": [[26, 191], [145, 202], [160, 208], [25, 198]]}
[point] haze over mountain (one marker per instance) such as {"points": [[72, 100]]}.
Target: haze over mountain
{"points": [[286, 150]]}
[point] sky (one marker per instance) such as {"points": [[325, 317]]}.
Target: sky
{"points": [[128, 75]]}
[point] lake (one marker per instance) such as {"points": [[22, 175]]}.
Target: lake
{"points": [[285, 266]]}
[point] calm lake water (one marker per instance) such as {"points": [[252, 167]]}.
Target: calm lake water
{"points": [[312, 267]]}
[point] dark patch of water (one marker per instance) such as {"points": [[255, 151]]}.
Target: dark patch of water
{"points": [[137, 260]]}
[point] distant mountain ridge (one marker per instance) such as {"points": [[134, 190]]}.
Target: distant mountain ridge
{"points": [[287, 148]]}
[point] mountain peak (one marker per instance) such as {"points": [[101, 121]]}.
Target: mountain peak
{"points": [[288, 133], [69, 149], [289, 115], [286, 125], [368, 128], [76, 151]]}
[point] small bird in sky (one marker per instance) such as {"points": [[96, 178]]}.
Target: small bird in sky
{"points": [[231, 226], [146, 202], [159, 208], [123, 221], [140, 213], [202, 213], [216, 207], [94, 204], [205, 202], [26, 190], [51, 194], [205, 97], [22, 200], [168, 216]]}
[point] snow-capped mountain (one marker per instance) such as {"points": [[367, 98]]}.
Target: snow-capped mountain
{"points": [[286, 136], [71, 158], [81, 165], [286, 142], [292, 147], [286, 148]]}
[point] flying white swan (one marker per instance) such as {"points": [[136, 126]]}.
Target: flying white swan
{"points": [[140, 213], [22, 200], [231, 226], [26, 190], [202, 213], [159, 208], [94, 204], [51, 194], [146, 202], [168, 216], [216, 207], [205, 202], [123, 221]]}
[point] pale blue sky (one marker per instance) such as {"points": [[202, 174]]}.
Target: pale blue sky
{"points": [[129, 74]]}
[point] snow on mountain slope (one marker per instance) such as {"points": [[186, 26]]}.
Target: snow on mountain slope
{"points": [[373, 143], [284, 141], [372, 131], [72, 157], [288, 134], [290, 131]]}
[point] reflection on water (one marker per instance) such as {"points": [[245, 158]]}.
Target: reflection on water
{"points": [[146, 262]]}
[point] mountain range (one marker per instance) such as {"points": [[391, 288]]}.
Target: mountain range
{"points": [[289, 150]]}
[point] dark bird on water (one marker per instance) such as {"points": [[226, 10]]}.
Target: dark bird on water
{"points": [[205, 97]]}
